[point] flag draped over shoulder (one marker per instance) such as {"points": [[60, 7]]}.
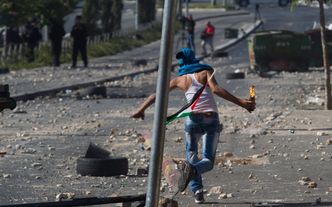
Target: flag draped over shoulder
{"points": [[188, 65], [187, 109]]}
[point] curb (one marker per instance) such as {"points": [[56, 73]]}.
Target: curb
{"points": [[54, 91], [250, 30], [223, 15]]}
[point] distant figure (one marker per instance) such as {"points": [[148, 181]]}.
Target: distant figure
{"points": [[56, 34], [32, 36], [13, 41], [189, 25], [257, 13], [207, 38], [79, 34]]}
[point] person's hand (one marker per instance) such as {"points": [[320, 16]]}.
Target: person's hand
{"points": [[249, 105], [138, 115]]}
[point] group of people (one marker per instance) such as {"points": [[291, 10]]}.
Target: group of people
{"points": [[32, 36], [206, 35], [79, 34]]}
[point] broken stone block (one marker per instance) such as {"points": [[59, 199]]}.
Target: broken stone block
{"points": [[329, 142], [228, 154], [321, 134], [142, 172], [167, 202], [215, 190], [64, 196], [2, 153], [312, 184], [222, 196], [36, 164]]}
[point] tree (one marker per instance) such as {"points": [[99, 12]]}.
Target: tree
{"points": [[328, 98], [103, 15], [106, 15], [91, 15], [116, 14], [146, 11], [17, 12]]}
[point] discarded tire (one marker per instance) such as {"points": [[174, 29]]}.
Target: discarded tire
{"points": [[235, 75], [95, 151], [111, 166]]}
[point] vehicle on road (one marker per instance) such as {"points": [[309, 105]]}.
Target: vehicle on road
{"points": [[286, 50], [245, 3], [279, 50]]}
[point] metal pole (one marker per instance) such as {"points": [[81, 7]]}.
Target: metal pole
{"points": [[180, 9], [187, 8], [158, 133], [137, 15]]}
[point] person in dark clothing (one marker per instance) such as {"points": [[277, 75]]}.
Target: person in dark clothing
{"points": [[79, 34], [13, 41], [257, 13], [190, 28], [32, 36], [56, 34]]}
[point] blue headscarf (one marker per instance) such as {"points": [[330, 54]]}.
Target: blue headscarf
{"points": [[188, 63]]}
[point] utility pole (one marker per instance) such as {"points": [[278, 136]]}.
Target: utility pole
{"points": [[187, 8], [213, 2], [137, 22], [328, 101], [159, 120]]}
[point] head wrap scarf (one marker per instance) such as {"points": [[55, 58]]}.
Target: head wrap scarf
{"points": [[188, 63]]}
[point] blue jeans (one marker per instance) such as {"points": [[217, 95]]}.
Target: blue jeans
{"points": [[190, 41], [208, 128]]}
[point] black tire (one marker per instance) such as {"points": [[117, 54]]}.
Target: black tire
{"points": [[283, 3], [235, 75], [111, 166]]}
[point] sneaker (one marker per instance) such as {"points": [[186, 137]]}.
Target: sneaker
{"points": [[199, 197], [186, 174]]}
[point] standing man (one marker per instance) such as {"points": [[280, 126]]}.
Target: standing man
{"points": [[257, 12], [190, 29], [79, 34], [56, 34], [32, 36], [207, 37]]}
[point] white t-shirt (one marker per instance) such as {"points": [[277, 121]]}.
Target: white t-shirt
{"points": [[206, 102]]}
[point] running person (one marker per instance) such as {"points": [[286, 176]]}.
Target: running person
{"points": [[204, 121]]}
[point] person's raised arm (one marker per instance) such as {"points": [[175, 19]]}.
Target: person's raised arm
{"points": [[223, 93], [139, 113]]}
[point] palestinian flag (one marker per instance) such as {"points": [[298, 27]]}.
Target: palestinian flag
{"points": [[187, 109]]}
